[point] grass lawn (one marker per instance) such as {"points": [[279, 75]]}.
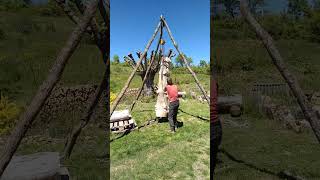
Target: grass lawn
{"points": [[153, 152], [265, 146]]}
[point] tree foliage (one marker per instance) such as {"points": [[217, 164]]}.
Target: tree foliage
{"points": [[298, 8], [203, 63], [179, 61], [116, 59], [232, 5]]}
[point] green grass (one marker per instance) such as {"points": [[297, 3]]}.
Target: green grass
{"points": [[28, 49], [234, 55], [153, 152], [29, 56], [266, 145]]}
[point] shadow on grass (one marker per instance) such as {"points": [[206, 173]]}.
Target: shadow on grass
{"points": [[282, 174], [128, 131], [196, 116]]}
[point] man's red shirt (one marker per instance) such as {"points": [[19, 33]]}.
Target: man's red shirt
{"points": [[172, 91]]}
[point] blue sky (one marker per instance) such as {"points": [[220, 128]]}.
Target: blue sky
{"points": [[132, 24]]}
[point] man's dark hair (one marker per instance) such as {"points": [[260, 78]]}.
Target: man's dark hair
{"points": [[169, 81]]}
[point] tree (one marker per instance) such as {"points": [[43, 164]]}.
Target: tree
{"points": [[253, 4], [316, 5], [203, 63], [230, 5], [179, 61], [298, 8], [148, 87], [116, 59]]}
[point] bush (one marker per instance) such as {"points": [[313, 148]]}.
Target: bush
{"points": [[12, 5], [11, 72], [9, 111], [26, 26], [113, 96], [2, 34], [51, 9], [279, 27], [314, 27]]}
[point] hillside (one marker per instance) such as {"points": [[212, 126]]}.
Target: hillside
{"points": [[29, 43], [253, 146]]}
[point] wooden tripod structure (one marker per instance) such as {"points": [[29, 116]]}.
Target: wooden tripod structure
{"points": [[86, 23], [162, 24]]}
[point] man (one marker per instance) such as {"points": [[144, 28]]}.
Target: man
{"points": [[172, 92], [215, 125]]}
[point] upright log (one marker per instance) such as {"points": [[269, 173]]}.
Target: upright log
{"points": [[278, 61], [148, 69], [45, 89], [124, 89], [162, 105], [185, 61]]}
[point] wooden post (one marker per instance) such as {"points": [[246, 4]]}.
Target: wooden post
{"points": [[185, 61], [148, 69], [45, 89], [278, 61], [124, 89]]}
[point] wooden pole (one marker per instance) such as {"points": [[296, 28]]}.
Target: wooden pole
{"points": [[185, 61], [124, 89], [148, 69], [45, 89], [278, 61]]}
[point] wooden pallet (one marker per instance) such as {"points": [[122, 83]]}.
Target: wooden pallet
{"points": [[122, 125]]}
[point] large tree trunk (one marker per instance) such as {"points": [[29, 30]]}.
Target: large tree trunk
{"points": [[45, 89], [162, 105], [148, 89], [278, 61]]}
